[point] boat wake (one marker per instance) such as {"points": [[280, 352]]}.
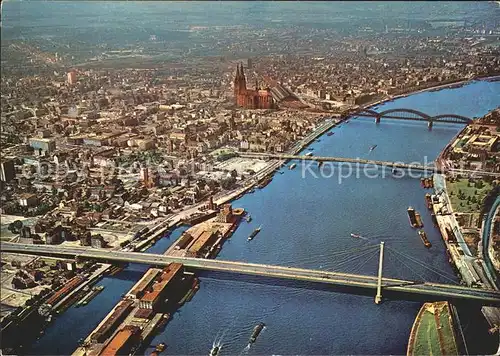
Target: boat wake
{"points": [[245, 350], [358, 236], [217, 344]]}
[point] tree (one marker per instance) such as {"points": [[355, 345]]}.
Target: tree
{"points": [[479, 184], [15, 226]]}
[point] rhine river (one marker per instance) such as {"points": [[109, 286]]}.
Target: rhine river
{"points": [[306, 221]]}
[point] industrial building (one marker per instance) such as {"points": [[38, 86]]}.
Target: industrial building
{"points": [[159, 292]]}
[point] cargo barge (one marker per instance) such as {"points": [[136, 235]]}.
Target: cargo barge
{"points": [[428, 200], [254, 233], [191, 292], [414, 218], [256, 331], [89, 296], [423, 236], [265, 182], [411, 217]]}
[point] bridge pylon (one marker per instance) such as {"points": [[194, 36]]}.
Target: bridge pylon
{"points": [[378, 297], [429, 125], [377, 119]]}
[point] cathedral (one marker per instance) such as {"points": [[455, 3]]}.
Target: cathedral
{"points": [[248, 98]]}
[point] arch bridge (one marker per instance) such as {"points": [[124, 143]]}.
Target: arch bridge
{"points": [[412, 115]]}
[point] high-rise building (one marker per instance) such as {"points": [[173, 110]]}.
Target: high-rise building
{"points": [[72, 77], [248, 98], [7, 170]]}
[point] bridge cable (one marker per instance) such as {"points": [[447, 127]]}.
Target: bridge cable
{"points": [[422, 278], [359, 267], [349, 262], [345, 254], [438, 271], [434, 270], [335, 265], [352, 259], [314, 259]]}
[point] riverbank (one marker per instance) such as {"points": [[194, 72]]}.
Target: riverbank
{"points": [[474, 270]]}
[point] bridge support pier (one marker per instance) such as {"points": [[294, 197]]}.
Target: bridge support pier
{"points": [[378, 297], [429, 125], [377, 119]]}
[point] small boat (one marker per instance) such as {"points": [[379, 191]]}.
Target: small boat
{"points": [[254, 233], [330, 133], [311, 149], [256, 331], [248, 218], [373, 147], [160, 347], [309, 154], [281, 172], [215, 349], [292, 166], [356, 236]]}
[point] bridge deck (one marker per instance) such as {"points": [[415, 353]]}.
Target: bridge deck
{"points": [[489, 297], [360, 161], [341, 160]]}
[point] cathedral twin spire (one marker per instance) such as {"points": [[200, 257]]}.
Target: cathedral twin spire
{"points": [[240, 77]]}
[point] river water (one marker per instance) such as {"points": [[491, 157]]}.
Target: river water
{"points": [[306, 221]]}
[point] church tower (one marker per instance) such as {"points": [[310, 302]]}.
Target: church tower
{"points": [[240, 86], [236, 82]]}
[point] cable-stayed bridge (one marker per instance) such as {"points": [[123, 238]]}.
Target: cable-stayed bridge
{"points": [[377, 283]]}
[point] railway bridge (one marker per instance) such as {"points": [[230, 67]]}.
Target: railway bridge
{"points": [[412, 115]]}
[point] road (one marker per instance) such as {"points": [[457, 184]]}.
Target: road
{"points": [[444, 291], [340, 160]]}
